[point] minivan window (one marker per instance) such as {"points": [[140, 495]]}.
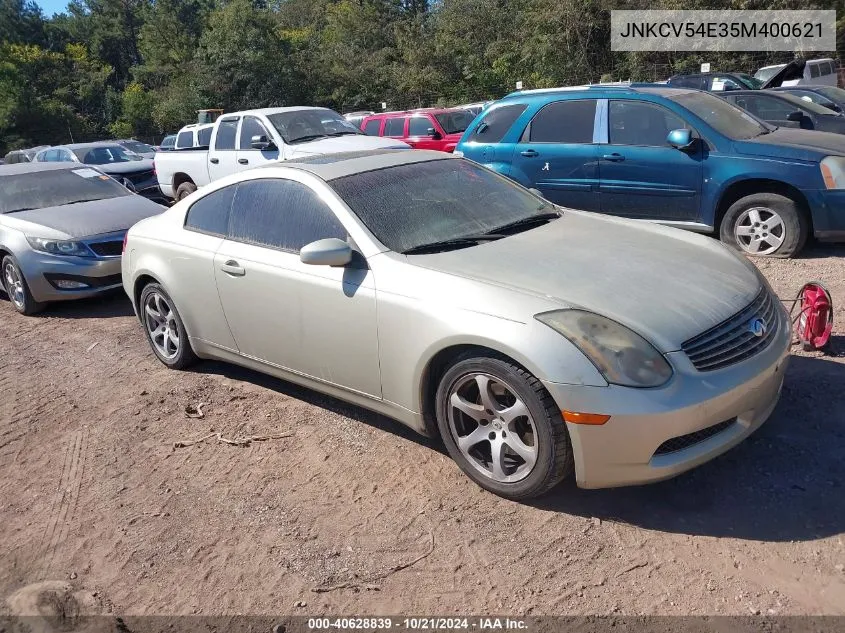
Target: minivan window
{"points": [[394, 126], [496, 123], [226, 131], [211, 213], [640, 123], [725, 118], [569, 121], [281, 214]]}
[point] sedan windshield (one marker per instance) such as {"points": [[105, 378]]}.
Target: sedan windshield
{"points": [[300, 126], [803, 104], [455, 121], [105, 155], [454, 201], [836, 95], [56, 187], [725, 118]]}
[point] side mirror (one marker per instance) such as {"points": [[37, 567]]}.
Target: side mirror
{"points": [[795, 116], [681, 138], [432, 133], [327, 252], [262, 143]]}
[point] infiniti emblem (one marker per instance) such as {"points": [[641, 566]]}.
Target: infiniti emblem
{"points": [[757, 327]]}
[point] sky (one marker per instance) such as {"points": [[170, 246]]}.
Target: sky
{"points": [[52, 6]]}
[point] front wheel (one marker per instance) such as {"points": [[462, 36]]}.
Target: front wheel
{"points": [[502, 427], [18, 290], [765, 224], [164, 328]]}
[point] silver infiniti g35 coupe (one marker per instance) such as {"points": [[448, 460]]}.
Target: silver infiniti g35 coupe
{"points": [[533, 340]]}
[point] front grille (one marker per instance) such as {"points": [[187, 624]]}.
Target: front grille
{"points": [[733, 340], [107, 249], [691, 439]]}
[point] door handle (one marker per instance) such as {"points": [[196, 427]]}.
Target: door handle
{"points": [[530, 153], [214, 160], [231, 267], [243, 161], [614, 158]]}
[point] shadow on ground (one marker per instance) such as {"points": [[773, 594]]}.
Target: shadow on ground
{"points": [[111, 304]]}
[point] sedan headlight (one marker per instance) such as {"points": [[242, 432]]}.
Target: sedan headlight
{"points": [[622, 356], [833, 172], [59, 247]]}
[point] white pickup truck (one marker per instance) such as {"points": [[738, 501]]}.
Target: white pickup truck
{"points": [[242, 140]]}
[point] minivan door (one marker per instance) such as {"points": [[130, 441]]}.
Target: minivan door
{"points": [[557, 155], [642, 176]]}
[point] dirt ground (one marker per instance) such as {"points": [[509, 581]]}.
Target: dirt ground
{"points": [[95, 499]]}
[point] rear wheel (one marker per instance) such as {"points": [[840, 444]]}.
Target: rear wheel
{"points": [[765, 224], [184, 190], [18, 290], [164, 328], [502, 427]]}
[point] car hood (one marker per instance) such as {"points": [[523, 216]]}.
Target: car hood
{"points": [[129, 167], [345, 144], [84, 219], [794, 143], [666, 284]]}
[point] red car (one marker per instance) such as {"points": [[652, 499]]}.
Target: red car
{"points": [[432, 128]]}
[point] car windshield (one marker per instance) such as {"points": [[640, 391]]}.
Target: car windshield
{"points": [[56, 187], [724, 117], [837, 95], [455, 121], [300, 126], [749, 81], [764, 74], [105, 155], [408, 206], [138, 147], [798, 102]]}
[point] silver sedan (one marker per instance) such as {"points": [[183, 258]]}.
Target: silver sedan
{"points": [[534, 341]]}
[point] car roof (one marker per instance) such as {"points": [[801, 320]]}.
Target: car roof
{"points": [[25, 168], [92, 145], [269, 111], [660, 90], [332, 166]]}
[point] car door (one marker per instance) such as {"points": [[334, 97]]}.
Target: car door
{"points": [[247, 156], [556, 154], [491, 141], [394, 127], [642, 176], [317, 321], [418, 132], [223, 156]]}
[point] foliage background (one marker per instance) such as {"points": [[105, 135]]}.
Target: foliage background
{"points": [[118, 68]]}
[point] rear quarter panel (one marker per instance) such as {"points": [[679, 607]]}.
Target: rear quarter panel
{"points": [[191, 162]]}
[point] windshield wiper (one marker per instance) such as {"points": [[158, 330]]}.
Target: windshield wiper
{"points": [[309, 137], [344, 133], [540, 218], [80, 201], [458, 242]]}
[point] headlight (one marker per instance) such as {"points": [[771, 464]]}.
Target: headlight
{"points": [[59, 247], [833, 172], [622, 356]]}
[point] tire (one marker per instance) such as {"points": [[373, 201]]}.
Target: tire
{"points": [[160, 319], [14, 283], [184, 190], [748, 224], [508, 385]]}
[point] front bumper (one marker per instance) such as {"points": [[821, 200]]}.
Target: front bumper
{"points": [[43, 270], [624, 450]]}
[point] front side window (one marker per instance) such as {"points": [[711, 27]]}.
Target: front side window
{"points": [[455, 121], [496, 123], [410, 205], [568, 121], [394, 126], [725, 118], [226, 132], [371, 127], [418, 126], [55, 188], [250, 127], [640, 123], [281, 214], [210, 214]]}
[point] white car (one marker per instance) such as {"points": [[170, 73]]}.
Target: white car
{"points": [[242, 140]]}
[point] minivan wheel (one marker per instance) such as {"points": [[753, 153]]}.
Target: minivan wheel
{"points": [[14, 283], [502, 427], [184, 190], [765, 224], [164, 328]]}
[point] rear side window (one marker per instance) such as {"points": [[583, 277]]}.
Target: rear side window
{"points": [[563, 122], [815, 70], [418, 126], [204, 137], [211, 213], [281, 214], [185, 139], [371, 128], [496, 123], [394, 127], [226, 131]]}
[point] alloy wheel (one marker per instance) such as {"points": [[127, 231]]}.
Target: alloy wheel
{"points": [[759, 231], [160, 322], [14, 285], [492, 427]]}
